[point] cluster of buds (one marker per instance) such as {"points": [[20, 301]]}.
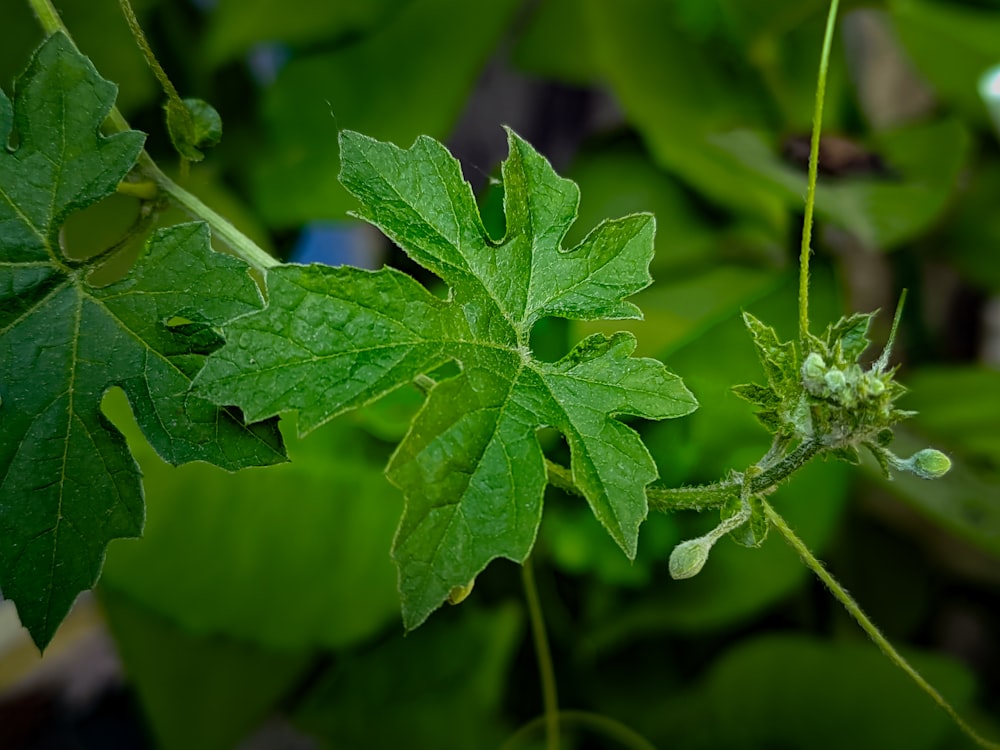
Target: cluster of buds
{"points": [[828, 398], [824, 402]]}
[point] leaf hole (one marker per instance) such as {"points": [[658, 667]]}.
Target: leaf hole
{"points": [[549, 339]]}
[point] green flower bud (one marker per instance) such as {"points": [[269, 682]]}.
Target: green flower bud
{"points": [[835, 380], [872, 385], [929, 463], [688, 558], [814, 367]]}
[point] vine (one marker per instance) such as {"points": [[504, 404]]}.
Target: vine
{"points": [[475, 427]]}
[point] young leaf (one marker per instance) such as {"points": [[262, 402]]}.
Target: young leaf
{"points": [[471, 468], [777, 357], [68, 484], [847, 339]]}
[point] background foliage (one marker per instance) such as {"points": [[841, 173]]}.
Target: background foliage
{"points": [[271, 590]]}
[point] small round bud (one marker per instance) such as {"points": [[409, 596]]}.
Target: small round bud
{"points": [[929, 463], [835, 380], [872, 384], [688, 558], [814, 367]]}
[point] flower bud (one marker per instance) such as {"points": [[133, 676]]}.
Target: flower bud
{"points": [[929, 463], [835, 380], [814, 367], [688, 558], [872, 385]]}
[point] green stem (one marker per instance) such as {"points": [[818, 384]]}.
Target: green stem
{"points": [[666, 499], [48, 17], [699, 497], [807, 221], [546, 672], [784, 468], [234, 239], [144, 191], [867, 625], [222, 228], [605, 725]]}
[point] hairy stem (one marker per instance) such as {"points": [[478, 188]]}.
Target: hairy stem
{"points": [[611, 728], [147, 52], [235, 240], [666, 499], [807, 221], [546, 671], [841, 595]]}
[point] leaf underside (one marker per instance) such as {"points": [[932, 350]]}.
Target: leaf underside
{"points": [[473, 473], [68, 483]]}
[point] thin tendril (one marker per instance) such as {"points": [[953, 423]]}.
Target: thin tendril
{"points": [[147, 52], [841, 595]]}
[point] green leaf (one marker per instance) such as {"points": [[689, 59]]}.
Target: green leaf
{"points": [[754, 532], [620, 178], [975, 228], [471, 467], [678, 92], [218, 544], [446, 42], [758, 395], [793, 691], [925, 162], [234, 26], [848, 337], [99, 31], [443, 686], [68, 484], [675, 313], [198, 692], [952, 45], [536, 53], [777, 357]]}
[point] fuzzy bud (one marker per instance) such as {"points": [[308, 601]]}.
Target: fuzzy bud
{"points": [[688, 558], [814, 367], [835, 380], [929, 463]]}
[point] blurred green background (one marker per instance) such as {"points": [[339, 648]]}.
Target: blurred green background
{"points": [[260, 608]]}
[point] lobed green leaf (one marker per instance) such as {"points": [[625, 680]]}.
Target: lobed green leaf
{"points": [[471, 467], [68, 484]]}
